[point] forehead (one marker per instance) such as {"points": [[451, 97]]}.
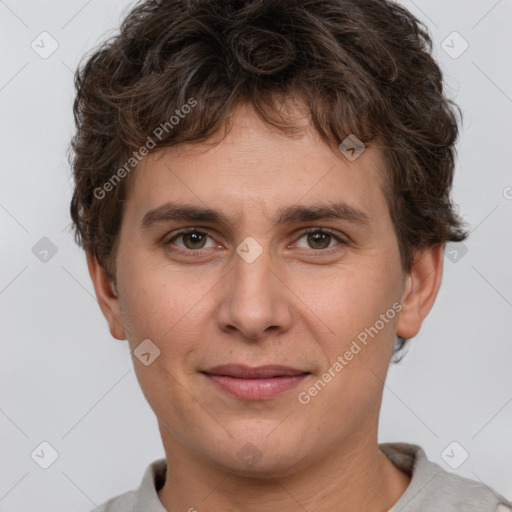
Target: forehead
{"points": [[255, 168]]}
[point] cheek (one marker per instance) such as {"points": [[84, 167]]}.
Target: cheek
{"points": [[358, 309], [153, 297], [346, 302], [162, 306], [170, 317]]}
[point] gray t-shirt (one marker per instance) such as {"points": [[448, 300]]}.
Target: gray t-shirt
{"points": [[432, 489]]}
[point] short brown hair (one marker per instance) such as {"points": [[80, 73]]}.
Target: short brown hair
{"points": [[360, 67]]}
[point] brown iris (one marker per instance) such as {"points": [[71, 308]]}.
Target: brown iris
{"points": [[197, 240], [323, 239]]}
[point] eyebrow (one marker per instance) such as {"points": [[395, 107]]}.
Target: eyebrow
{"points": [[292, 214]]}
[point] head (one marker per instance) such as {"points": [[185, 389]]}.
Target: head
{"points": [[311, 148]]}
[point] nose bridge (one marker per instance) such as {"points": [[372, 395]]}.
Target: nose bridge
{"points": [[254, 300], [252, 270]]}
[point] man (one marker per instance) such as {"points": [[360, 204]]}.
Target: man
{"points": [[263, 194]]}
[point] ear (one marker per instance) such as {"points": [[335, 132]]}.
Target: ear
{"points": [[107, 297], [422, 286]]}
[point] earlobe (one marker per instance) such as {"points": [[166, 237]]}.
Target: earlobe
{"points": [[420, 290], [107, 296]]}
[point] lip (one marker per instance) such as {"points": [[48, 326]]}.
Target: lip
{"points": [[255, 383], [242, 371]]}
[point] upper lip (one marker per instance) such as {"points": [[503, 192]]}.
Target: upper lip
{"points": [[241, 371]]}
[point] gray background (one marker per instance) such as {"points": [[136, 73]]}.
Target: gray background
{"points": [[63, 379]]}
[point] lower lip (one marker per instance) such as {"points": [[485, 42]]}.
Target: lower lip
{"points": [[256, 389]]}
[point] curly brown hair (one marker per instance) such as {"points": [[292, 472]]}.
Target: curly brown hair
{"points": [[360, 67]]}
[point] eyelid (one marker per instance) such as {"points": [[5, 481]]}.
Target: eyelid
{"points": [[316, 229]]}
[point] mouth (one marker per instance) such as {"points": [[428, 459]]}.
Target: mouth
{"points": [[255, 383]]}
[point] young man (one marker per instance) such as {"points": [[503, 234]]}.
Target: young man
{"points": [[263, 194]]}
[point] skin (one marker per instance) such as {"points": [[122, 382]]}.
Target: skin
{"points": [[300, 303]]}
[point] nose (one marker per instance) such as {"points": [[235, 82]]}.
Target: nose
{"points": [[255, 299]]}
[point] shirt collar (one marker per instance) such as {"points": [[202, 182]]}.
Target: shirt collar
{"points": [[146, 499]]}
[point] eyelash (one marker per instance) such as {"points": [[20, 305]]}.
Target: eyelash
{"points": [[307, 231]]}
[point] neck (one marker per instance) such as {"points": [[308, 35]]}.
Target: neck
{"points": [[359, 478]]}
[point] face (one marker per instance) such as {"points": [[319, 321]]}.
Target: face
{"points": [[273, 294]]}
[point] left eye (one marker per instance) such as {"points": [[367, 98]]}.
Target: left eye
{"points": [[318, 239]]}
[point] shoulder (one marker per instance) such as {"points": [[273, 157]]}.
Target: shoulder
{"points": [[145, 497], [122, 503], [432, 488]]}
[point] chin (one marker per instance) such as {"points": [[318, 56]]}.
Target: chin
{"points": [[278, 465], [263, 452]]}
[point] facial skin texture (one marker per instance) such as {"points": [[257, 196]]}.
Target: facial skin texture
{"points": [[298, 304]]}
